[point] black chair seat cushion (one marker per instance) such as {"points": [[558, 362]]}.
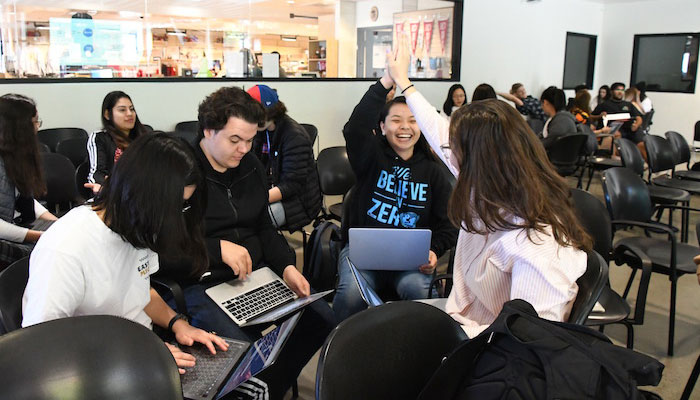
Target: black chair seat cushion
{"points": [[689, 175], [616, 309], [659, 251], [604, 163], [667, 195], [688, 186], [336, 210]]}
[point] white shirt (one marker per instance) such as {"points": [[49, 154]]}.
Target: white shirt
{"points": [[81, 267], [646, 105], [490, 270]]}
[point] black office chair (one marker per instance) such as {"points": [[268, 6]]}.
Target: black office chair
{"points": [[662, 158], [188, 136], [81, 175], [628, 202], [682, 151], [89, 357], [696, 135], [52, 137], [74, 149], [596, 221], [335, 176], [312, 131], [691, 381], [595, 160], [647, 121], [43, 148], [590, 286], [565, 153], [632, 159], [187, 126], [61, 191], [537, 125], [386, 352], [13, 280]]}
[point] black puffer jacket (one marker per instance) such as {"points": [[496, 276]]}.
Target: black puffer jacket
{"points": [[290, 166]]}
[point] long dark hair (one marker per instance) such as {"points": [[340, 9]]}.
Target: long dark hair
{"points": [[608, 94], [108, 126], [483, 91], [19, 147], [555, 96], [505, 172], [422, 144], [142, 199], [449, 103]]}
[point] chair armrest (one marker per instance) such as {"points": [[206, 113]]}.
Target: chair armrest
{"points": [[676, 207], [172, 287], [646, 266], [645, 225], [435, 280]]}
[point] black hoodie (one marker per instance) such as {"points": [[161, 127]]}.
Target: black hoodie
{"points": [[392, 192], [237, 211]]}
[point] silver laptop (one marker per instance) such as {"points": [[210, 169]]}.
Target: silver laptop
{"points": [[389, 249], [262, 297]]}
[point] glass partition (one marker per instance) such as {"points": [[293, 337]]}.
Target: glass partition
{"points": [[250, 39]]}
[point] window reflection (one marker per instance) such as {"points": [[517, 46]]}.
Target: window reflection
{"points": [[218, 38]]}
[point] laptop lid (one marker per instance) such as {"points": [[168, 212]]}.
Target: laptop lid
{"points": [[389, 249], [366, 291]]}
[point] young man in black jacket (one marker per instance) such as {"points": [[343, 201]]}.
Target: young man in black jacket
{"points": [[240, 236]]}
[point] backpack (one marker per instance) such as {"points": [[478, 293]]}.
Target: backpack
{"points": [[521, 356], [321, 256]]}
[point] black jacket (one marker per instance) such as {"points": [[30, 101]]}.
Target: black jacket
{"points": [[237, 211], [290, 166], [101, 149], [391, 192]]}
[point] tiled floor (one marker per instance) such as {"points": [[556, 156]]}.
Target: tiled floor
{"points": [[650, 338]]}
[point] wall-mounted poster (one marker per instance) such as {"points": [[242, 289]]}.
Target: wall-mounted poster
{"points": [[431, 54]]}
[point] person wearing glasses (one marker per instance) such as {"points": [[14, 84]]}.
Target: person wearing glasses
{"points": [[98, 258], [120, 126], [21, 178]]}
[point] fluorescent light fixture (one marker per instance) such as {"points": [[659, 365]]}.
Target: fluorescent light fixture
{"points": [[287, 38]]}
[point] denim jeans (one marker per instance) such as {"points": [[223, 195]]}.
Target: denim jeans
{"points": [[308, 336], [409, 285]]}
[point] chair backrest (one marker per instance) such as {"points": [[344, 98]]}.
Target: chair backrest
{"points": [[660, 154], [595, 220], [81, 175], [590, 285], [679, 146], [626, 195], [75, 149], [566, 151], [646, 121], [386, 352], [59, 173], [696, 135], [87, 357], [188, 136], [43, 148], [537, 125], [13, 280], [334, 171], [52, 137], [630, 155], [312, 131], [187, 126]]}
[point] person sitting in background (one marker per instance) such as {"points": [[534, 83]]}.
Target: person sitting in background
{"points": [[617, 104], [524, 103], [519, 235], [580, 107], [578, 89], [21, 178], [632, 97], [604, 95], [642, 97], [284, 148], [120, 126], [483, 91], [402, 156], [98, 258], [561, 122], [456, 98]]}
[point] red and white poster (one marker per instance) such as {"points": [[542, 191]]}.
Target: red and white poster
{"points": [[398, 28], [414, 35], [442, 27], [428, 34]]}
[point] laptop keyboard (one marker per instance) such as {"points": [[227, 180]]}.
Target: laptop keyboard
{"points": [[210, 369], [259, 300]]}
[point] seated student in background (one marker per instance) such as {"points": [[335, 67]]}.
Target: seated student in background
{"points": [[632, 97], [604, 95], [524, 103], [617, 104], [642, 97], [581, 111], [519, 236], [456, 98], [284, 148], [120, 126], [561, 122], [399, 185], [483, 91], [240, 237], [21, 178], [98, 258]]}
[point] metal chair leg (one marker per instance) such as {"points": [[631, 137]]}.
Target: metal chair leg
{"points": [[629, 283], [295, 390], [630, 335], [691, 381], [672, 317]]}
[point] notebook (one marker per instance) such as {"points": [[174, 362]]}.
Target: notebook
{"points": [[389, 249], [262, 297], [216, 375]]}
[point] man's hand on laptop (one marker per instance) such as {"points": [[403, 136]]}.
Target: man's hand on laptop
{"points": [[236, 257], [430, 266], [296, 281]]}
